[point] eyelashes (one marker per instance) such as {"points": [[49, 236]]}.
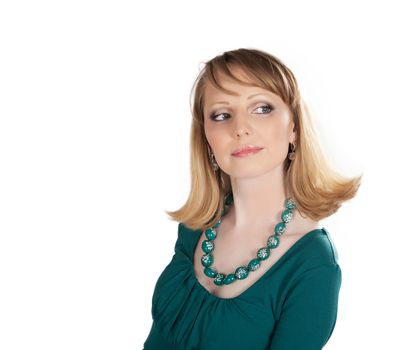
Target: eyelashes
{"points": [[214, 116]]}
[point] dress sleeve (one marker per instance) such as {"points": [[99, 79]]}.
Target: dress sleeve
{"points": [[309, 311]]}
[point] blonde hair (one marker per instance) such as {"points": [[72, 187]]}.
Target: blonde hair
{"points": [[315, 187]]}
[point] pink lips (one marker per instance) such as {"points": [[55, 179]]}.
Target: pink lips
{"points": [[246, 151]]}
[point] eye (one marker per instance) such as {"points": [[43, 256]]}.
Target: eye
{"points": [[266, 108], [214, 116]]}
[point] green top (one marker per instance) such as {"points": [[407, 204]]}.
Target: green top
{"points": [[292, 306]]}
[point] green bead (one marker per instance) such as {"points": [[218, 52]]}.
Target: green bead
{"points": [[207, 260], [254, 264], [228, 199], [263, 253], [280, 228], [207, 246], [230, 278], [290, 204], [273, 241], [217, 224], [218, 280], [211, 233], [286, 215], [209, 272], [241, 272]]}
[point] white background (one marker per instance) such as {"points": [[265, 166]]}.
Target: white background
{"points": [[94, 146]]}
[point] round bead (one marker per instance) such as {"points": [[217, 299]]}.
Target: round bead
{"points": [[211, 233], [280, 228], [219, 278], [228, 199], [273, 241], [241, 272], [286, 215], [208, 246], [207, 259], [263, 253], [217, 224], [254, 264], [230, 278], [290, 204], [209, 272]]}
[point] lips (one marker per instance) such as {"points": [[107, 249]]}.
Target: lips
{"points": [[246, 150]]}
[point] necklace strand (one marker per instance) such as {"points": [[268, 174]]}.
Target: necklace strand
{"points": [[263, 253]]}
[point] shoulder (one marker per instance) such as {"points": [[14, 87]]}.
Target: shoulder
{"points": [[186, 238], [185, 231], [324, 249], [316, 248], [317, 265]]}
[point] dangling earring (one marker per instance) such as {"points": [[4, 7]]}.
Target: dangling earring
{"points": [[213, 161], [291, 155]]}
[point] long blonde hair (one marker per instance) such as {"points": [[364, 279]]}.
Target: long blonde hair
{"points": [[317, 189]]}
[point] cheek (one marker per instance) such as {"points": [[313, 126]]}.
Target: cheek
{"points": [[218, 145], [276, 135], [214, 138]]}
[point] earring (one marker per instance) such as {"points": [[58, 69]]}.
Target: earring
{"points": [[291, 155], [213, 161]]}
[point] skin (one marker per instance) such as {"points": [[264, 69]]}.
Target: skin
{"points": [[257, 180]]}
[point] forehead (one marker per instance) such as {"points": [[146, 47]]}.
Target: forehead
{"points": [[231, 87], [234, 89]]}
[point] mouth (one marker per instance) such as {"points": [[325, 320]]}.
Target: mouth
{"points": [[246, 151]]}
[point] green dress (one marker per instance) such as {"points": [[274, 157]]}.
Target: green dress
{"points": [[292, 306]]}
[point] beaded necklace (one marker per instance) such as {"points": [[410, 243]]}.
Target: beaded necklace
{"points": [[263, 253]]}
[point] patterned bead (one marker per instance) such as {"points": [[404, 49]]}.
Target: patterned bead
{"points": [[218, 280], [280, 228], [286, 215], [211, 233], [208, 246], [263, 253], [207, 259], [290, 204], [254, 264], [228, 199], [230, 278], [241, 272], [209, 272], [273, 241]]}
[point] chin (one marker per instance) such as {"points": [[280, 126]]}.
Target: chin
{"points": [[255, 170], [247, 172]]}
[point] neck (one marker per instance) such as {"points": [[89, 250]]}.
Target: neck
{"points": [[257, 200]]}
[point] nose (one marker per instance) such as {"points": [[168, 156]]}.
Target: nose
{"points": [[241, 132], [241, 126]]}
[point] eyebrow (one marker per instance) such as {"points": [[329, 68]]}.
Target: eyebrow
{"points": [[249, 97]]}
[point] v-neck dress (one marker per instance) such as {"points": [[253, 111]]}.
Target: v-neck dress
{"points": [[292, 306]]}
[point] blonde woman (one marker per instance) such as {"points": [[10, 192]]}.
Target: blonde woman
{"points": [[253, 267]]}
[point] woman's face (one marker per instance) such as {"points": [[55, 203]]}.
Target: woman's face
{"points": [[232, 122]]}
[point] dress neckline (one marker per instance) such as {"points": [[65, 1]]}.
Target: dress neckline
{"points": [[266, 273]]}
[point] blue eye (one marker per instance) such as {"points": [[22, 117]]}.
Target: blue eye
{"points": [[267, 107]]}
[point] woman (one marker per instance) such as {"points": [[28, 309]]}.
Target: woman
{"points": [[253, 268]]}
